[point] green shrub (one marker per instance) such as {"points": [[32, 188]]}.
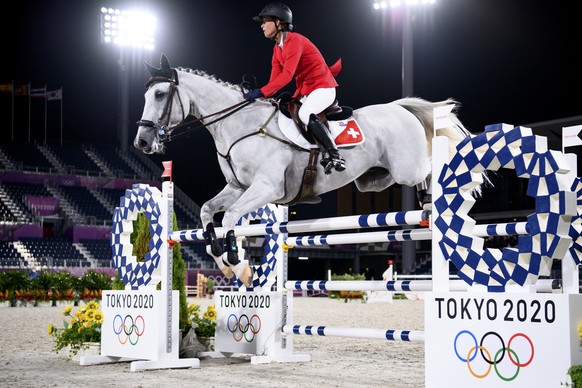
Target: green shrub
{"points": [[94, 280], [575, 372], [14, 281], [140, 238], [346, 295]]}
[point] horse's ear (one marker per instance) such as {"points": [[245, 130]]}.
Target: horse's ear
{"points": [[164, 63], [152, 70]]}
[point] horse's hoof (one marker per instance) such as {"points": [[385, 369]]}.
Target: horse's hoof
{"points": [[247, 279], [227, 271], [244, 273]]}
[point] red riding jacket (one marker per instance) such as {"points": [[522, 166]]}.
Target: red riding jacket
{"points": [[300, 58]]}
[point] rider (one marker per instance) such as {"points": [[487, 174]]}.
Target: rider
{"points": [[296, 56]]}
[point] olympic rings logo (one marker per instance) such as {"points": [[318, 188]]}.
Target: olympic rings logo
{"points": [[495, 361], [243, 327], [128, 328]]}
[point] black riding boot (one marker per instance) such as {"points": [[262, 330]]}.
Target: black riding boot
{"points": [[322, 135]]}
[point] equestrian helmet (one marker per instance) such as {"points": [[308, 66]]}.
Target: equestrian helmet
{"points": [[276, 10]]}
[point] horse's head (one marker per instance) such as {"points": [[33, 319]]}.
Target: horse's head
{"points": [[164, 108]]}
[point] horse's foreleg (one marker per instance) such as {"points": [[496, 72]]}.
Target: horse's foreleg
{"points": [[242, 270], [214, 250], [256, 196], [211, 240], [214, 247]]}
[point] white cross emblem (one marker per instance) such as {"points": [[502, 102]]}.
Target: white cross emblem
{"points": [[353, 133]]}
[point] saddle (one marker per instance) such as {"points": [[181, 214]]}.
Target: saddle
{"points": [[290, 108]]}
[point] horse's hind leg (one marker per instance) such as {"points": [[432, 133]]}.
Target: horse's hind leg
{"points": [[424, 193]]}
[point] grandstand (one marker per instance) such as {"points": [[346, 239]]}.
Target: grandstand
{"points": [[57, 202]]}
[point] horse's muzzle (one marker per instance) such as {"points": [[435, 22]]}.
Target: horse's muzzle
{"points": [[143, 146]]}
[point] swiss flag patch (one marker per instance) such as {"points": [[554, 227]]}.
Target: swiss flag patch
{"points": [[347, 132]]}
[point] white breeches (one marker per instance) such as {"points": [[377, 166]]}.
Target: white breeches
{"points": [[315, 103]]}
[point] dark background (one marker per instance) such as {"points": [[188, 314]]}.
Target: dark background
{"points": [[510, 61]]}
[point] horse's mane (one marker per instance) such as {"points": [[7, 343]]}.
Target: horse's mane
{"points": [[210, 77]]}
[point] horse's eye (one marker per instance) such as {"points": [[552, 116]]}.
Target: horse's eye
{"points": [[159, 94]]}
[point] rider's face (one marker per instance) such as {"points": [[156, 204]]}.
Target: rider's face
{"points": [[269, 27]]}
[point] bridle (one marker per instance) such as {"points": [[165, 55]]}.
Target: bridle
{"points": [[165, 133], [189, 122]]}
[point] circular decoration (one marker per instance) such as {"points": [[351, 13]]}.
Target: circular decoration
{"points": [[576, 225], [502, 146], [265, 273], [140, 199]]}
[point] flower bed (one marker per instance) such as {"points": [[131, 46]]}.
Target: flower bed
{"points": [[23, 288]]}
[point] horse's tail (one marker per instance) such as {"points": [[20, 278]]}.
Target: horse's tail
{"points": [[424, 112]]}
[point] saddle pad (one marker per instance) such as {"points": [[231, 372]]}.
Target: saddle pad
{"points": [[346, 133]]}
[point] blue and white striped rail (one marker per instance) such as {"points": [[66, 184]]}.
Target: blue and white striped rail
{"points": [[328, 331], [359, 238], [506, 229], [369, 285], [542, 285], [375, 220]]}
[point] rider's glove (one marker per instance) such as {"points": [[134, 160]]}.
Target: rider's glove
{"points": [[254, 94]]}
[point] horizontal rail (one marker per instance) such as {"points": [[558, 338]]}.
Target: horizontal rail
{"points": [[542, 285], [505, 229], [413, 217], [328, 331], [359, 238]]}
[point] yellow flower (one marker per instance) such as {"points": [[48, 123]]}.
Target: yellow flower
{"points": [[210, 314], [89, 315], [67, 310], [98, 316], [92, 305], [193, 309], [51, 328]]}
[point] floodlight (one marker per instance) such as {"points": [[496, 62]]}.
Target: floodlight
{"points": [[128, 28]]}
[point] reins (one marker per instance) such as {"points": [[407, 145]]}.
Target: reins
{"points": [[190, 122], [186, 124]]}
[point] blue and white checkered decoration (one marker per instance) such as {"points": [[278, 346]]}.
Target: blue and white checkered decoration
{"points": [[141, 198], [502, 146], [576, 226], [266, 272]]}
